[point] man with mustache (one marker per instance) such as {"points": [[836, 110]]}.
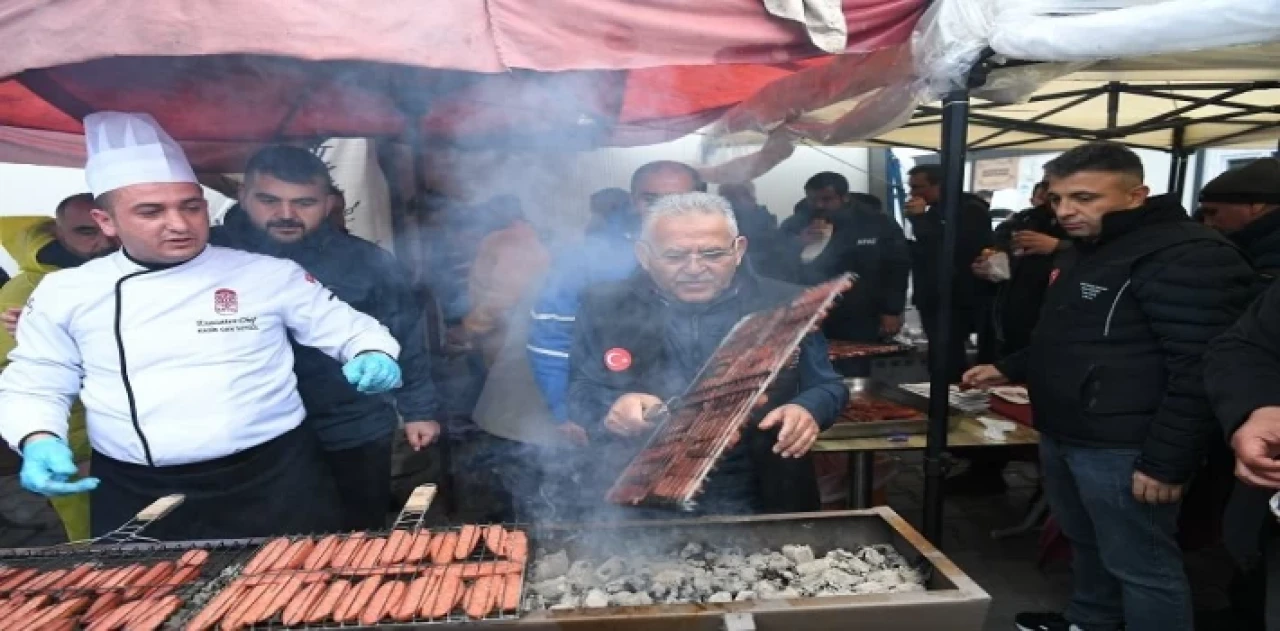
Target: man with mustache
{"points": [[285, 210], [641, 341]]}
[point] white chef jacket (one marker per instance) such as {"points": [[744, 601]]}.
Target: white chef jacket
{"points": [[194, 359]]}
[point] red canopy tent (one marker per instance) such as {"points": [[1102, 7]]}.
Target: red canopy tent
{"points": [[482, 73]]}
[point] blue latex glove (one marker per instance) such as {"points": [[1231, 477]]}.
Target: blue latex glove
{"points": [[372, 373], [47, 467]]}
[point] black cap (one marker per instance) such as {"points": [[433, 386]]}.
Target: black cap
{"points": [[1255, 183]]}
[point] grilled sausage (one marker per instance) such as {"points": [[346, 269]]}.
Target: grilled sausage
{"points": [[345, 556], [44, 580], [122, 576], [397, 547], [249, 600], [193, 557], [445, 598], [409, 605], [61, 624], [486, 568], [468, 537], [215, 609], [117, 618], [388, 595], [371, 551], [420, 548], [479, 598], [322, 553], [493, 537], [156, 615], [357, 599], [266, 556], [328, 604], [293, 557], [274, 601], [296, 611], [17, 579], [102, 605], [509, 600], [154, 576], [516, 546], [74, 577], [443, 547], [184, 575], [29, 606]]}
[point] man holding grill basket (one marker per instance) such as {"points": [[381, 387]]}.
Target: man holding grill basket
{"points": [[641, 341], [180, 353]]}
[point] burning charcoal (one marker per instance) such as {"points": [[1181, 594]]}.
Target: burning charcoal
{"points": [[554, 588], [798, 554], [745, 594], [907, 587], [595, 599], [629, 599], [813, 567], [781, 595], [569, 602], [582, 572], [839, 580], [885, 577], [872, 556], [691, 550], [611, 569], [551, 566], [702, 583], [721, 597], [849, 562]]}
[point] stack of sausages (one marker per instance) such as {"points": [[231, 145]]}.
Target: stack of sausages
{"points": [[133, 597], [865, 409], [359, 578]]}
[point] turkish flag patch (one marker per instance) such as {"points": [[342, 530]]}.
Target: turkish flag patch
{"points": [[1054, 275], [310, 279], [617, 359]]}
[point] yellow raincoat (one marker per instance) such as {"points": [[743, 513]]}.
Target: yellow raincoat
{"points": [[22, 238]]}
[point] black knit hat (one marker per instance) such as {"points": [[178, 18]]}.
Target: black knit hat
{"points": [[1256, 183]]}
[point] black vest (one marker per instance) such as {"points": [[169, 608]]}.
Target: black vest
{"points": [[1096, 372], [635, 322]]}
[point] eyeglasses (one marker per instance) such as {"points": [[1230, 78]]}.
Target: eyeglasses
{"points": [[709, 256]]}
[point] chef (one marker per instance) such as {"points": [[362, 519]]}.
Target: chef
{"points": [[180, 353]]}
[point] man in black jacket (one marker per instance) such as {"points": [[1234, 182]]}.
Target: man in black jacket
{"points": [[641, 341], [1241, 373], [970, 295], [1242, 204], [867, 243], [283, 212], [1115, 374]]}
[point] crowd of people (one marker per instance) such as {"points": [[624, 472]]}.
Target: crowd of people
{"points": [[275, 356]]}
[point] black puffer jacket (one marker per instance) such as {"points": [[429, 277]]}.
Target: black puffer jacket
{"points": [[1018, 300], [369, 279], [967, 290], [1261, 241], [1116, 360]]}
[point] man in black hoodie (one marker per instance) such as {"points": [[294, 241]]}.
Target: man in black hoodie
{"points": [[970, 295], [283, 211], [1115, 375], [1242, 204]]}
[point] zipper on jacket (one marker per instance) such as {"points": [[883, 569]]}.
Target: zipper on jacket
{"points": [[1106, 329], [124, 367]]}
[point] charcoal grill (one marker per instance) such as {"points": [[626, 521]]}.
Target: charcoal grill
{"points": [[952, 601]]}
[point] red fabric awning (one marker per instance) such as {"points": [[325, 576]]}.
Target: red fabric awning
{"points": [[468, 73]]}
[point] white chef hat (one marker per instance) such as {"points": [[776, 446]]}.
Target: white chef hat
{"points": [[127, 148]]}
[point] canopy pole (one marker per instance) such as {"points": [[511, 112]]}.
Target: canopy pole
{"points": [[1178, 159], [955, 123]]}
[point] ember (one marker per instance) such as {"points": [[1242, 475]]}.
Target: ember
{"points": [[699, 573]]}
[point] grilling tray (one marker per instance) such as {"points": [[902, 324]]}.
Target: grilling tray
{"points": [[894, 427]]}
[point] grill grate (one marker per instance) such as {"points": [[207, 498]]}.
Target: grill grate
{"points": [[695, 430], [372, 577]]}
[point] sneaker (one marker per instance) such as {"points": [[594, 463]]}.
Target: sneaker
{"points": [[1043, 622]]}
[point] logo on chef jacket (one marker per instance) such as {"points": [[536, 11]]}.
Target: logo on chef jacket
{"points": [[617, 359], [1054, 275], [225, 302], [868, 241]]}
